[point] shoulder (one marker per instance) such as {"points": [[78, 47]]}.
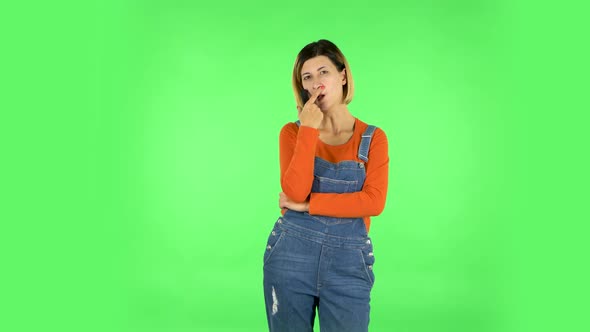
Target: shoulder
{"points": [[290, 126], [378, 135], [290, 129]]}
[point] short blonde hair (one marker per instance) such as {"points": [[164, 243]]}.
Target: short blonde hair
{"points": [[328, 49]]}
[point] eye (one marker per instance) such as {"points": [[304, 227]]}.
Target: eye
{"points": [[323, 72], [305, 77]]}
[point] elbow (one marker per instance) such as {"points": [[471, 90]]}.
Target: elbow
{"points": [[296, 196], [378, 210], [378, 206]]}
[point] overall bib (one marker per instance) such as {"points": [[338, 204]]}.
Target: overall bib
{"points": [[319, 261]]}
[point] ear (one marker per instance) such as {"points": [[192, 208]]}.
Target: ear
{"points": [[343, 73]]}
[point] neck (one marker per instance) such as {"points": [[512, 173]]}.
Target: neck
{"points": [[337, 119]]}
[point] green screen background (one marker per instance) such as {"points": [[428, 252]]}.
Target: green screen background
{"points": [[142, 177]]}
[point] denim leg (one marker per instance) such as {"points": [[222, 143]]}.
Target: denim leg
{"points": [[345, 288], [286, 310], [290, 284]]}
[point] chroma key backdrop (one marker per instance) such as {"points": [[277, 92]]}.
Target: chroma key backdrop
{"points": [[144, 179]]}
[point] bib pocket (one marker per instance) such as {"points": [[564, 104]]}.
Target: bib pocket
{"points": [[327, 185]]}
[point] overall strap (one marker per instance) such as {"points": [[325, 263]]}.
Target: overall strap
{"points": [[365, 143]]}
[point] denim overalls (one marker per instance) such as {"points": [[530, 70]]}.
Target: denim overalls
{"points": [[313, 260]]}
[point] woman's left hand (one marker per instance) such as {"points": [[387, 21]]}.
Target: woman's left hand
{"points": [[286, 202]]}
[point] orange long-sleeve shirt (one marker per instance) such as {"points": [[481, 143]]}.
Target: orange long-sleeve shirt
{"points": [[298, 148]]}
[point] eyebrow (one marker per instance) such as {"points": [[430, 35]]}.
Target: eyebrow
{"points": [[308, 72]]}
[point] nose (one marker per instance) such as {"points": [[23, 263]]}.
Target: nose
{"points": [[317, 85]]}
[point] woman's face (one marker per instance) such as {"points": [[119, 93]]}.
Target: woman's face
{"points": [[320, 71]]}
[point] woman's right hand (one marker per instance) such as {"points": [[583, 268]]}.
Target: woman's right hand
{"points": [[311, 115]]}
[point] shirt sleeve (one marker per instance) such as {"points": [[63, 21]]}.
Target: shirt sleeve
{"points": [[370, 201], [297, 158]]}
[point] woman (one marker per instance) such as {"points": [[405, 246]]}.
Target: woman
{"points": [[334, 172]]}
